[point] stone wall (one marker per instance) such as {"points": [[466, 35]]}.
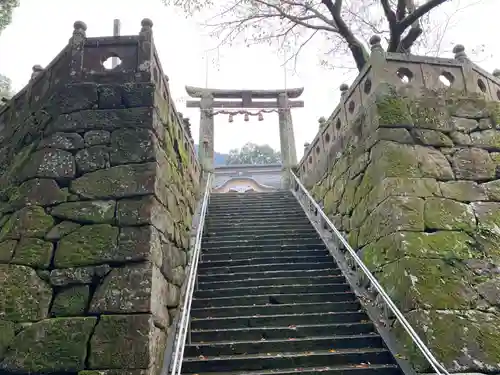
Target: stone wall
{"points": [[98, 187], [413, 181]]}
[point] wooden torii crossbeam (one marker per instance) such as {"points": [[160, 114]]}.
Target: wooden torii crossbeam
{"points": [[246, 98]]}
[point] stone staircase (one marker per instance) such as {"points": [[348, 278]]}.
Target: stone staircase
{"points": [[271, 300]]}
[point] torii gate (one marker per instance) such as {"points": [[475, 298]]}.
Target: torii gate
{"points": [[267, 99]]}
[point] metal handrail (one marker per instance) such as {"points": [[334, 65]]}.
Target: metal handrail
{"points": [[184, 322], [438, 367]]}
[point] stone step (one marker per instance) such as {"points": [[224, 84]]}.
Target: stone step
{"points": [[263, 260], [254, 196], [247, 283], [274, 217], [265, 267], [272, 289], [271, 211], [263, 241], [365, 369], [259, 230], [220, 202], [278, 320], [265, 235], [254, 208], [216, 349], [217, 256], [287, 360], [265, 310], [239, 276], [282, 332], [272, 299], [318, 245]]}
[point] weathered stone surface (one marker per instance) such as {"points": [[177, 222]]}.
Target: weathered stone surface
{"points": [[92, 159], [62, 229], [460, 139], [49, 346], [136, 211], [488, 139], [134, 289], [432, 138], [465, 191], [139, 243], [63, 141], [173, 263], [97, 137], [50, 163], [132, 146], [78, 275], [122, 341], [473, 164], [71, 301], [25, 297], [88, 212], [488, 216], [103, 119], [490, 291], [37, 192], [33, 252], [465, 125], [447, 214], [394, 214], [492, 189], [73, 97], [400, 135], [7, 250], [110, 96], [29, 221], [117, 182], [88, 245], [7, 333]]}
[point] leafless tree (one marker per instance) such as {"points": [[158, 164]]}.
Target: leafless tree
{"points": [[345, 25]]}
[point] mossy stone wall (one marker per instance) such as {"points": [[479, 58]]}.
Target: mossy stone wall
{"points": [[416, 190], [97, 195]]}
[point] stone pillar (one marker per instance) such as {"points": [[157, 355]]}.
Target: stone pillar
{"points": [[206, 144], [287, 138]]}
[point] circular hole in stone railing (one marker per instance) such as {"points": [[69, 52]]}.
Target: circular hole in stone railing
{"points": [[351, 107], [108, 62], [327, 137], [367, 87], [338, 124], [405, 75], [310, 160], [317, 149], [447, 79], [481, 85]]}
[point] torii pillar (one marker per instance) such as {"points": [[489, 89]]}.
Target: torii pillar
{"points": [[279, 99]]}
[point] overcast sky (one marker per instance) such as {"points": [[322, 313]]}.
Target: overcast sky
{"points": [[40, 29]]}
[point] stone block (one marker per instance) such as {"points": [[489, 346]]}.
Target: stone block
{"points": [[72, 98], [92, 159], [62, 229], [7, 250], [63, 141], [139, 243], [33, 252], [492, 189], [49, 163], [138, 94], [488, 139], [25, 297], [110, 96], [132, 146], [78, 275], [87, 245], [447, 214], [29, 221], [7, 334], [136, 288], [97, 137], [117, 182], [464, 191], [71, 301], [430, 137], [488, 216], [37, 192], [473, 164], [50, 346], [86, 212], [125, 342]]}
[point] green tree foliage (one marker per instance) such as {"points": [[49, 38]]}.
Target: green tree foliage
{"points": [[6, 9], [344, 25], [251, 153]]}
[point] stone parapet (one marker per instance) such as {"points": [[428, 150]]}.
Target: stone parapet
{"points": [[99, 183], [413, 183]]}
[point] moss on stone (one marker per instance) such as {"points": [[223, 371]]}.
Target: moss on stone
{"points": [[33, 252], [7, 250], [90, 212], [62, 229], [90, 244], [447, 214], [52, 345], [71, 301], [393, 110], [7, 333], [29, 221]]}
